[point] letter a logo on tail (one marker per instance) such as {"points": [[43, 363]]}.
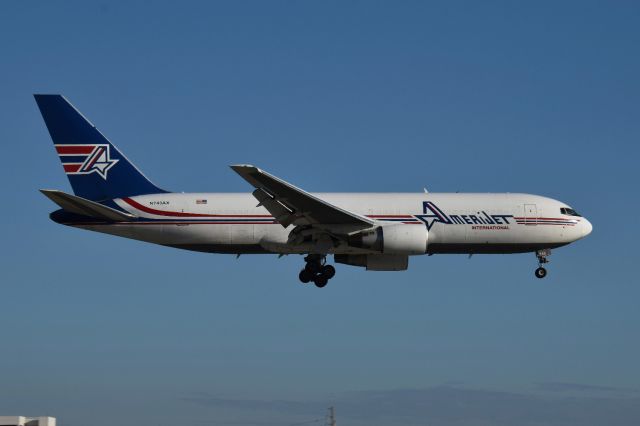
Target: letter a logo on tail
{"points": [[86, 159]]}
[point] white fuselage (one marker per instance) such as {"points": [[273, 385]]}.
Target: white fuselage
{"points": [[456, 222]]}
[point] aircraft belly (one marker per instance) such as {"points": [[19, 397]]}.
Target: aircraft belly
{"points": [[169, 234], [241, 238], [126, 231], [495, 248], [241, 234], [273, 238]]}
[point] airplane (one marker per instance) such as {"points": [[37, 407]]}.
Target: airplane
{"points": [[376, 231]]}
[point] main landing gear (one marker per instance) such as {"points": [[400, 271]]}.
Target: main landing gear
{"points": [[317, 270], [542, 255]]}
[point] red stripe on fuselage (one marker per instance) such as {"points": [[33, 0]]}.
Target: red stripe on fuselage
{"points": [[542, 218], [178, 223], [182, 214]]}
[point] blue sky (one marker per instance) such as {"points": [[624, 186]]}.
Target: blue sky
{"points": [[332, 96]]}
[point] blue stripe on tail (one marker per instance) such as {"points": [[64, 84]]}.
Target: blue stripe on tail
{"points": [[96, 169]]}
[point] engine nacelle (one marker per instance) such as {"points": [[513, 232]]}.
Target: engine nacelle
{"points": [[392, 239]]}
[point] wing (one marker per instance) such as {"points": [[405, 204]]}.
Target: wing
{"points": [[291, 205]]}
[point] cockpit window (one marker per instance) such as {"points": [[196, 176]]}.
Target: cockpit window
{"points": [[568, 211]]}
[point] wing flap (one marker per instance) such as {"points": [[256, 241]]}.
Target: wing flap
{"points": [[283, 214], [84, 207]]}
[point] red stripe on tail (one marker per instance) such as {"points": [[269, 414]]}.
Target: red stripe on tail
{"points": [[71, 168], [74, 149]]}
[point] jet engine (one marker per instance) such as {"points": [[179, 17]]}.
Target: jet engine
{"points": [[399, 239]]}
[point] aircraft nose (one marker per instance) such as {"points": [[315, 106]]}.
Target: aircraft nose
{"points": [[587, 227]]}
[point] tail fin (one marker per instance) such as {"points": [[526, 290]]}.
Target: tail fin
{"points": [[95, 167]]}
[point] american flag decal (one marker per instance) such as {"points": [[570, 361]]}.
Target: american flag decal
{"points": [[201, 201]]}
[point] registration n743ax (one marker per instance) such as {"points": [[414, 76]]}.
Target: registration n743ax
{"points": [[377, 231]]}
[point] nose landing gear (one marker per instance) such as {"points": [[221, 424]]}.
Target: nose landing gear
{"points": [[317, 270], [542, 255]]}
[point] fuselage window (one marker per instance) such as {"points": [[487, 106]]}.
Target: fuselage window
{"points": [[569, 212]]}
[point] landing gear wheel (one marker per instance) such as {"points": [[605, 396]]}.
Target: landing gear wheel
{"points": [[328, 271], [305, 276], [317, 270], [311, 268], [320, 280], [314, 264], [541, 272]]}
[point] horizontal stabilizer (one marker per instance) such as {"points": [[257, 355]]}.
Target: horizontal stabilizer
{"points": [[84, 207]]}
